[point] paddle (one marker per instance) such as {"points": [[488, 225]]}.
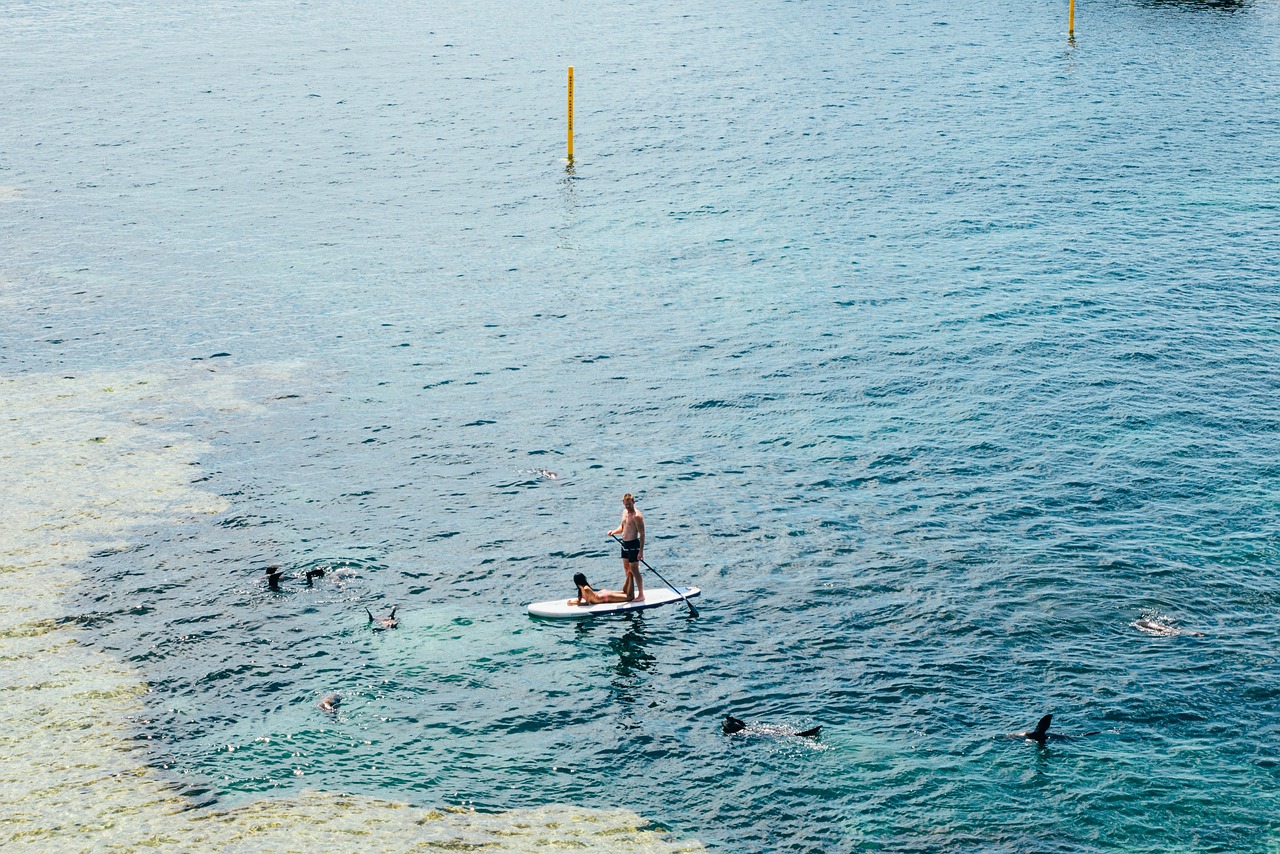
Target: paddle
{"points": [[693, 612]]}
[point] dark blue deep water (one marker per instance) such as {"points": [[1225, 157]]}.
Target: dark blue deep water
{"points": [[942, 352]]}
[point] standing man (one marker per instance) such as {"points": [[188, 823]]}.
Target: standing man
{"points": [[631, 529]]}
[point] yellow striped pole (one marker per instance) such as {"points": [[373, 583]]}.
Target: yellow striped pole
{"points": [[571, 112], [1071, 19]]}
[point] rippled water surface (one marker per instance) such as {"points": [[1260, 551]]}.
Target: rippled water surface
{"points": [[943, 353]]}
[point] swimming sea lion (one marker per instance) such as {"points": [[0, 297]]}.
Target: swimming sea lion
{"points": [[383, 623], [273, 576], [732, 725], [1153, 626], [314, 573], [329, 704], [1040, 735]]}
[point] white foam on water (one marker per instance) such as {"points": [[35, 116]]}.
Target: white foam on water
{"points": [[84, 462]]}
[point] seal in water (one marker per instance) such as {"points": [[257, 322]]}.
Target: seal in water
{"points": [[1153, 626], [383, 623], [329, 704], [314, 573], [273, 576], [1040, 735], [732, 725]]}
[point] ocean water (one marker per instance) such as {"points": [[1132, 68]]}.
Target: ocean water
{"points": [[941, 351]]}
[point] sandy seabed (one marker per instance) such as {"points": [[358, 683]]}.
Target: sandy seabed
{"points": [[85, 462]]}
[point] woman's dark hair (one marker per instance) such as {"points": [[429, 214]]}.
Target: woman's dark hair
{"points": [[580, 580]]}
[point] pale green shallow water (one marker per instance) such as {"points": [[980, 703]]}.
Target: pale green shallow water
{"points": [[940, 353]]}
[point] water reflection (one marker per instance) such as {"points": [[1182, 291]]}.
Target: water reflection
{"points": [[633, 656], [569, 201], [631, 647]]}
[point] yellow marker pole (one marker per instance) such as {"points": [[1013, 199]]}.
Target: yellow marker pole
{"points": [[1071, 20], [571, 112]]}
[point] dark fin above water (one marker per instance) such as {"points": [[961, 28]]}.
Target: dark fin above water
{"points": [[383, 623], [810, 733], [732, 725], [1042, 729]]}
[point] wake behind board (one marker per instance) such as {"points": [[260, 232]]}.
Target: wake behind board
{"points": [[558, 609]]}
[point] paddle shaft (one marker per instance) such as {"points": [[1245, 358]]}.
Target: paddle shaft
{"points": [[693, 612]]}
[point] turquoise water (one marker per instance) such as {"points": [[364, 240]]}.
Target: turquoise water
{"points": [[938, 350]]}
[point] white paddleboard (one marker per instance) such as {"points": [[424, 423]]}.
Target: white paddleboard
{"points": [[559, 609]]}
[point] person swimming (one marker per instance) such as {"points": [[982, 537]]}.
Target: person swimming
{"points": [[589, 596]]}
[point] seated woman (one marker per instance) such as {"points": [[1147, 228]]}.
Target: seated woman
{"points": [[587, 596]]}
